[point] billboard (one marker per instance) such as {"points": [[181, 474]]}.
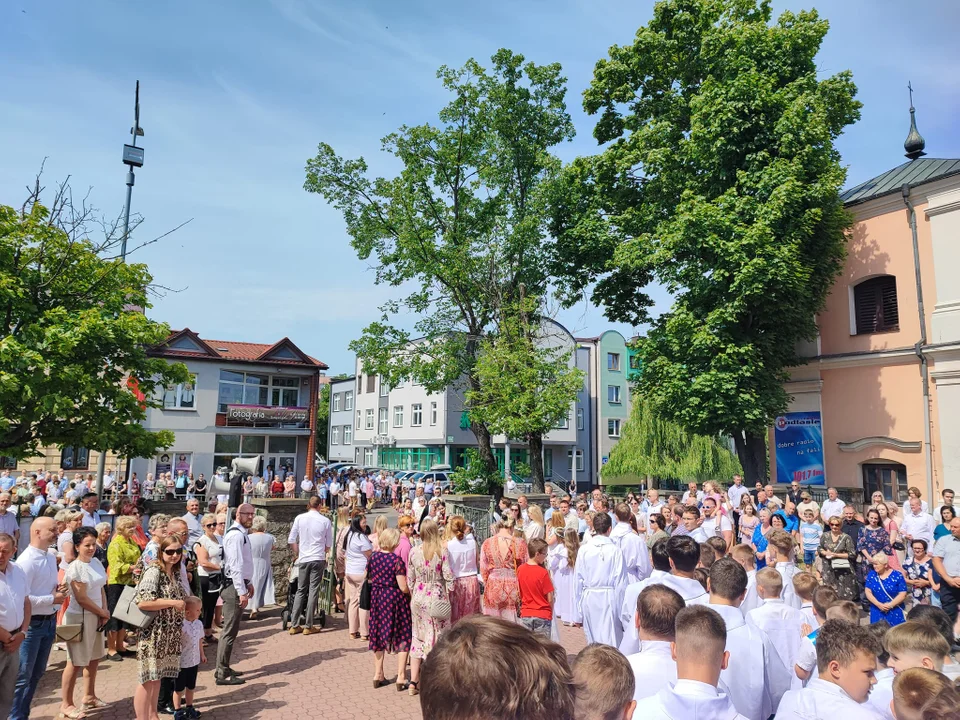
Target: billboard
{"points": [[798, 446]]}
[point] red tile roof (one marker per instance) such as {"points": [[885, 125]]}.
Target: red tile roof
{"points": [[236, 351]]}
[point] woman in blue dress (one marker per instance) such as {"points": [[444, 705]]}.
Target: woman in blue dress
{"points": [[759, 539], [886, 589]]}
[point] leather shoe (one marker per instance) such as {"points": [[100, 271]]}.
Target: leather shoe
{"points": [[231, 671], [230, 680], [167, 709], [311, 631], [296, 630]]}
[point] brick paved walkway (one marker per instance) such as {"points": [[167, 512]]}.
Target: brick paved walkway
{"points": [[325, 675]]}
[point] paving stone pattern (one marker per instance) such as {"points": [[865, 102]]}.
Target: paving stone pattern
{"points": [[320, 676]]}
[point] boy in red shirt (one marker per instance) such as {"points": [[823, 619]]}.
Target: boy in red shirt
{"points": [[536, 590]]}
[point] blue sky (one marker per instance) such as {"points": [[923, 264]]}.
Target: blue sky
{"points": [[235, 96]]}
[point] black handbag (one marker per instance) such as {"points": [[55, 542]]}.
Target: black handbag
{"points": [[365, 595], [215, 582]]}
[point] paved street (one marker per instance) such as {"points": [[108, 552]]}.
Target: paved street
{"points": [[326, 675]]}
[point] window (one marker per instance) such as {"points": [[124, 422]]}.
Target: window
{"points": [[335, 435], [348, 400], [613, 428], [579, 418], [579, 460], [875, 305], [382, 421], [237, 388], [368, 456], [398, 416], [283, 444], [8, 463], [285, 392], [371, 383], [384, 388], [336, 402], [634, 362], [563, 423], [416, 415], [347, 435], [358, 419], [75, 458], [182, 396], [888, 478], [613, 362], [433, 413], [613, 394], [369, 423]]}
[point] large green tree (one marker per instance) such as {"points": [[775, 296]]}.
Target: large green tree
{"points": [[74, 345], [462, 223], [720, 180]]}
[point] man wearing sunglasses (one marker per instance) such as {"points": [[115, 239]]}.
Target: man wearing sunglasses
{"points": [[237, 575]]}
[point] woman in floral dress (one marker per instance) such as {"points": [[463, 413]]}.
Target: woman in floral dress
{"points": [[390, 624], [500, 556], [429, 577], [872, 539], [919, 574], [839, 556], [158, 652]]}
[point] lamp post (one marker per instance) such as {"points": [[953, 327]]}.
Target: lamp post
{"points": [[132, 157]]}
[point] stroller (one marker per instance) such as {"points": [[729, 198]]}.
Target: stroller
{"points": [[286, 616]]}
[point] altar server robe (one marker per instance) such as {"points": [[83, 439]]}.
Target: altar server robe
{"points": [[789, 596], [782, 624], [601, 578], [628, 611], [636, 556], [687, 700], [565, 606], [690, 589], [653, 667], [821, 700], [751, 600]]}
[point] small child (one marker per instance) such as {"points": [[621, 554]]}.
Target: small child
{"points": [[190, 658], [810, 533], [804, 584], [536, 590], [605, 684], [805, 668]]}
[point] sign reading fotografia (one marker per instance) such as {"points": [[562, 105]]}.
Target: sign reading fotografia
{"points": [[264, 413]]}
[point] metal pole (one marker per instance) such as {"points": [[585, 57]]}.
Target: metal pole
{"points": [[126, 211]]}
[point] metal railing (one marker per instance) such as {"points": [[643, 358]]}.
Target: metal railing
{"points": [[477, 518]]}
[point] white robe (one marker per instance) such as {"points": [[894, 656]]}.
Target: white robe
{"points": [[690, 589], [628, 611], [653, 668], [565, 604], [687, 700], [807, 658], [782, 624], [789, 596], [600, 581], [822, 700], [751, 600], [882, 694], [754, 675], [809, 617], [636, 556]]}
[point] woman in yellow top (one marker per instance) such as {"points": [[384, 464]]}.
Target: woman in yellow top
{"points": [[122, 554]]}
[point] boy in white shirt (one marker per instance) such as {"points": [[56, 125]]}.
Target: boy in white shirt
{"points": [[747, 558], [824, 597], [191, 657], [778, 620], [656, 620], [909, 645], [604, 684], [804, 585], [781, 545]]}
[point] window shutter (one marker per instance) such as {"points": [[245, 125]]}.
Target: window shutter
{"points": [[875, 305]]}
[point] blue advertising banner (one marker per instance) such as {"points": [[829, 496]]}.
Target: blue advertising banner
{"points": [[798, 441]]}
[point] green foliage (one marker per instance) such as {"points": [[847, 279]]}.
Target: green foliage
{"points": [[721, 181], [522, 469], [71, 341], [653, 446], [463, 222], [323, 417], [473, 476]]}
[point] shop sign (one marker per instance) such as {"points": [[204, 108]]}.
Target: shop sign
{"points": [[266, 413]]}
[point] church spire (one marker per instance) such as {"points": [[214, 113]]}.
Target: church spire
{"points": [[914, 143]]}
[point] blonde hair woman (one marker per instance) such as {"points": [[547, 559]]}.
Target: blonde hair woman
{"points": [[209, 560], [535, 527], [555, 527], [379, 525], [390, 623], [462, 552], [886, 589], [122, 557], [429, 578], [561, 562]]}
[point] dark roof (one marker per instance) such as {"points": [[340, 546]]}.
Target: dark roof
{"points": [[912, 172]]}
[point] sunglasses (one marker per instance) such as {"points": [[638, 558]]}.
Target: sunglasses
{"points": [[170, 552], [210, 525]]}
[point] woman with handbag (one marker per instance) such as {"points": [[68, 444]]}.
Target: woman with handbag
{"points": [[209, 561], [122, 555], [500, 556], [429, 578], [158, 651], [87, 608], [357, 550], [839, 556]]}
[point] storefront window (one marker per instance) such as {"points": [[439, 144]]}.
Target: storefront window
{"points": [[283, 445], [252, 444]]}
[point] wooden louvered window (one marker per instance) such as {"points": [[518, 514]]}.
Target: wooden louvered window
{"points": [[875, 303]]}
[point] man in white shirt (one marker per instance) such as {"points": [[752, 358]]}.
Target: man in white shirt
{"points": [[628, 610], [14, 620], [600, 579], [847, 661], [311, 536], [636, 557], [715, 523], [745, 555], [779, 621], [690, 525], [735, 494], [334, 494], [684, 555], [947, 497], [510, 486], [916, 525], [654, 620], [692, 496], [192, 518], [8, 520], [832, 506], [40, 569], [352, 490], [756, 678], [306, 486], [237, 576], [88, 510], [652, 505], [699, 649]]}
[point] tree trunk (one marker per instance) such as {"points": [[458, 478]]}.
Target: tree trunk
{"points": [[485, 451], [752, 453], [535, 443]]}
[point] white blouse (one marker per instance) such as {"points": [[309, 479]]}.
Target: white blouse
{"points": [[91, 574], [463, 556]]}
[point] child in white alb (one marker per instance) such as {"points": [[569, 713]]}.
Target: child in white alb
{"points": [[190, 658]]}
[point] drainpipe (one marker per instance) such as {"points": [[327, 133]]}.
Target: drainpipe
{"points": [[919, 347]]}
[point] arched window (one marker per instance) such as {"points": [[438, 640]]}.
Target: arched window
{"points": [[875, 305]]}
